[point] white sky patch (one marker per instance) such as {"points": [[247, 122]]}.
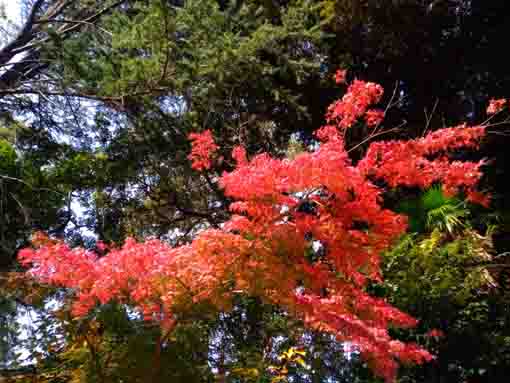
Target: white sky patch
{"points": [[12, 10], [10, 24]]}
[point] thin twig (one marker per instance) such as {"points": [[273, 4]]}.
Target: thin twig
{"points": [[504, 122], [377, 134], [67, 21], [30, 186], [388, 106], [429, 117]]}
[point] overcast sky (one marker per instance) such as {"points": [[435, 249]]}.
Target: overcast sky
{"points": [[13, 15], [11, 8]]}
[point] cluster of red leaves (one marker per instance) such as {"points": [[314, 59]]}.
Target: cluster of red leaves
{"points": [[374, 117], [354, 104], [284, 208], [496, 106], [435, 333], [203, 148], [340, 76], [424, 161]]}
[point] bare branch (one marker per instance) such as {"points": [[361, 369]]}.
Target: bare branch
{"points": [[32, 37], [68, 21], [23, 37]]}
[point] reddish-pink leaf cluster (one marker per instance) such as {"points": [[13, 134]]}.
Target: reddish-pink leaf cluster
{"points": [[340, 76], [374, 117], [496, 106], [424, 161], [203, 148], [354, 104], [239, 155], [285, 208], [435, 333]]}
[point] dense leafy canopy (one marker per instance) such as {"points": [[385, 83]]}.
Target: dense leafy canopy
{"points": [[262, 252], [96, 112]]}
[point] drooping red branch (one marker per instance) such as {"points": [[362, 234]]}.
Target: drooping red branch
{"points": [[285, 208]]}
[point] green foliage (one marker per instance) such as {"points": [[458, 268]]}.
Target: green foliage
{"points": [[253, 71], [446, 275], [441, 267], [27, 200], [434, 210]]}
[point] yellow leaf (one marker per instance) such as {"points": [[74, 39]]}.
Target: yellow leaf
{"points": [[300, 361]]}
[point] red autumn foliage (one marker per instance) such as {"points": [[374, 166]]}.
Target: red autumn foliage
{"points": [[353, 105], [435, 333], [203, 148], [496, 106], [340, 76], [283, 208], [374, 117]]}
